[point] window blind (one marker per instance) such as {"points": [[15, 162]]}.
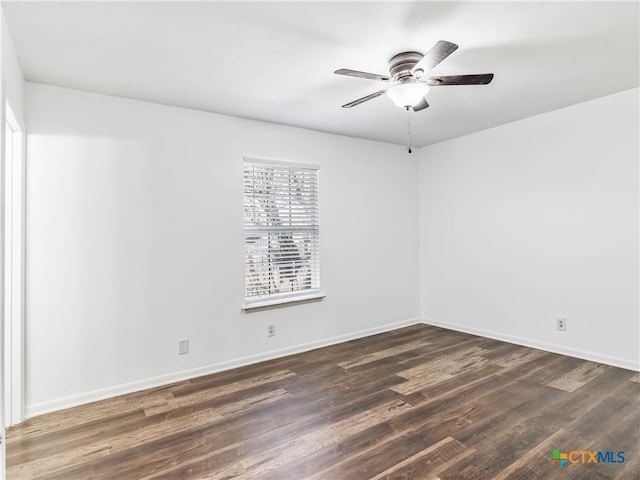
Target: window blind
{"points": [[281, 231]]}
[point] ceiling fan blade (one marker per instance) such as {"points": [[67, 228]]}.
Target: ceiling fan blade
{"points": [[480, 79], [363, 99], [441, 50], [356, 73], [421, 106]]}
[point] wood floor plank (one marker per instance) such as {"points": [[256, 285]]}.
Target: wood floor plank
{"points": [[536, 465], [582, 408], [432, 373], [88, 452], [387, 352], [421, 403], [428, 462], [277, 438], [442, 347], [417, 431], [323, 460], [524, 468], [578, 376], [316, 440], [406, 433], [295, 421], [518, 357], [217, 440]]}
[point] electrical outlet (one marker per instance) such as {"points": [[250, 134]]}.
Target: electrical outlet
{"points": [[271, 330], [561, 324], [183, 347]]}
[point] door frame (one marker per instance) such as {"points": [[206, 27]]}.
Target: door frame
{"points": [[13, 284]]}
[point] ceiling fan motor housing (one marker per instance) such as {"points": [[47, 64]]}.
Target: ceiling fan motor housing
{"points": [[400, 65]]}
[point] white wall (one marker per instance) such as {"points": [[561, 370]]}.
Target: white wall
{"points": [[535, 220], [135, 241]]}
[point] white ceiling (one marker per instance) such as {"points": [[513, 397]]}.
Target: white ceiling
{"points": [[274, 61]]}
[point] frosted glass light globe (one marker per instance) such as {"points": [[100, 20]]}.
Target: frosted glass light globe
{"points": [[407, 94]]}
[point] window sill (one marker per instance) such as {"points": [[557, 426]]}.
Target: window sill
{"points": [[282, 302]]}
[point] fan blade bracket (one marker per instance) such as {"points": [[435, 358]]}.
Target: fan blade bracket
{"points": [[421, 105], [358, 74], [445, 80], [364, 99]]}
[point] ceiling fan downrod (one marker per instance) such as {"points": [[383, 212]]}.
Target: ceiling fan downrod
{"points": [[408, 130]]}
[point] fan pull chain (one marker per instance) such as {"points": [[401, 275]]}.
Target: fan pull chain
{"points": [[408, 130]]}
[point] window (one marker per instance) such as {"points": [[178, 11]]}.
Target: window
{"points": [[281, 232]]}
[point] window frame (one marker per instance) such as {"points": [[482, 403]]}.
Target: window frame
{"points": [[299, 296]]}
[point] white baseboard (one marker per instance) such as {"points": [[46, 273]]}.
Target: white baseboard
{"points": [[548, 347], [122, 389]]}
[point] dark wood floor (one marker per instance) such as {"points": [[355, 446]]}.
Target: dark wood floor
{"points": [[417, 403]]}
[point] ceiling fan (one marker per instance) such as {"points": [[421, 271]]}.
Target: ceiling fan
{"points": [[408, 74]]}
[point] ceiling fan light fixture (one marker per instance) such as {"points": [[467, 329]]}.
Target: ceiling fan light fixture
{"points": [[407, 94]]}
